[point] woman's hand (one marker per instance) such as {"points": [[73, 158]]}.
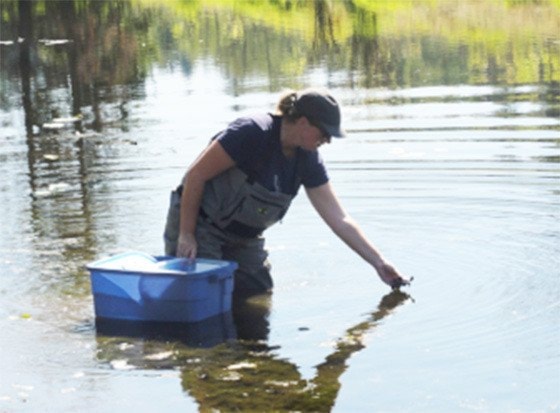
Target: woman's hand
{"points": [[391, 276], [187, 246], [212, 162]]}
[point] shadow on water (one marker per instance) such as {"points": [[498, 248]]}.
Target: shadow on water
{"points": [[226, 362]]}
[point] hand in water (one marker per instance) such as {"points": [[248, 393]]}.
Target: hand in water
{"points": [[392, 277], [187, 246]]}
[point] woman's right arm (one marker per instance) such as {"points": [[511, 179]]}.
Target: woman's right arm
{"points": [[212, 161]]}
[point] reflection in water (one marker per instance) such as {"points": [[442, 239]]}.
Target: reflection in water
{"points": [[377, 44], [452, 164], [206, 333], [26, 32], [238, 375], [59, 162], [248, 377], [248, 320]]}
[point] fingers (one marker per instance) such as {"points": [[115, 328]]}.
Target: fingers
{"points": [[187, 246], [400, 282], [192, 254], [188, 253], [187, 250]]}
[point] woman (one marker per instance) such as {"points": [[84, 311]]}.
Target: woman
{"points": [[245, 180]]}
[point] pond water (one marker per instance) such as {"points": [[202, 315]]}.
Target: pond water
{"points": [[451, 167]]}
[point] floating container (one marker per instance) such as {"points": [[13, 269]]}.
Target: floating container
{"points": [[139, 287]]}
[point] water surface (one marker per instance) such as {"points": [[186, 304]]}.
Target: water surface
{"points": [[451, 168]]}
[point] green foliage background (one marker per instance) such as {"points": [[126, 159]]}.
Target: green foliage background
{"points": [[371, 43]]}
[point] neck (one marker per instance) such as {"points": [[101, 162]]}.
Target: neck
{"points": [[286, 139]]}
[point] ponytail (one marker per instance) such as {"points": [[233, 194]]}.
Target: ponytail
{"points": [[287, 106]]}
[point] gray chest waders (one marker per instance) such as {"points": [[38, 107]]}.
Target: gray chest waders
{"points": [[234, 204]]}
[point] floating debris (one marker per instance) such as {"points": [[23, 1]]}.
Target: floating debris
{"points": [[61, 123], [11, 42], [278, 383], [71, 119], [159, 356], [50, 157], [232, 376], [59, 187], [53, 126], [121, 364], [241, 366], [54, 42], [125, 346], [52, 189]]}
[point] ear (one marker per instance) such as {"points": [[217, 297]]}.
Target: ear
{"points": [[302, 120]]}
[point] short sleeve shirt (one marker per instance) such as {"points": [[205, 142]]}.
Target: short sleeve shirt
{"points": [[254, 144]]}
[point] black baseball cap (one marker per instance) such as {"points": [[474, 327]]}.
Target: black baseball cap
{"points": [[320, 108]]}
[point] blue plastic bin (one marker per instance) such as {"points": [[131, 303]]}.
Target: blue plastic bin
{"points": [[137, 286]]}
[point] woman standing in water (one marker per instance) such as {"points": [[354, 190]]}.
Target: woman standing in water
{"points": [[245, 180]]}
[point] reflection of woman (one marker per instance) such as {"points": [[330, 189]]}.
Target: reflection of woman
{"points": [[248, 377], [245, 180], [246, 374]]}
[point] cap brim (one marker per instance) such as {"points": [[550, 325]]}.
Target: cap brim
{"points": [[334, 131]]}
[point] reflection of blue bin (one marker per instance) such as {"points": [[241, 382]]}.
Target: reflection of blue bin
{"points": [[201, 334], [137, 286]]}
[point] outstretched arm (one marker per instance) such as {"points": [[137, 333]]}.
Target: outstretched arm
{"points": [[327, 205]]}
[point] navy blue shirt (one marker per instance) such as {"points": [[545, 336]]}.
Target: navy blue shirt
{"points": [[254, 144]]}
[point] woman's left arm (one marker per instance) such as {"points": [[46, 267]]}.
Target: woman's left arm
{"points": [[326, 203]]}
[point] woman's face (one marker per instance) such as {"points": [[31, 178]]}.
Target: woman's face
{"points": [[311, 136]]}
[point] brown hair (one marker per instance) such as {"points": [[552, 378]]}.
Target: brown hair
{"points": [[286, 106]]}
